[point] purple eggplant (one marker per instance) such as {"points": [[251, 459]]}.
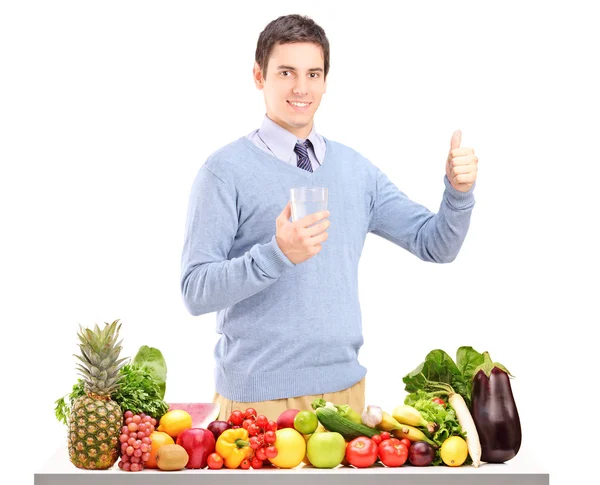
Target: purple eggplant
{"points": [[495, 413]]}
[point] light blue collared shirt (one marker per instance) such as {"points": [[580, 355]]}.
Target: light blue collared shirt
{"points": [[280, 143]]}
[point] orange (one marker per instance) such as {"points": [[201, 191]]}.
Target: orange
{"points": [[158, 439]]}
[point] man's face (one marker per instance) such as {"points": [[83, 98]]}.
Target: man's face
{"points": [[295, 74]]}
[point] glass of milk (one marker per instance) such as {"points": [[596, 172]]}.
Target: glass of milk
{"points": [[307, 200]]}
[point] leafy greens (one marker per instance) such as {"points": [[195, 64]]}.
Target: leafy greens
{"points": [[142, 388], [439, 371]]}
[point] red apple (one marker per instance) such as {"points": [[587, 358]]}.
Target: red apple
{"points": [[286, 418], [199, 443]]}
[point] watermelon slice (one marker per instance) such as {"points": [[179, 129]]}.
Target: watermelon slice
{"points": [[202, 413]]}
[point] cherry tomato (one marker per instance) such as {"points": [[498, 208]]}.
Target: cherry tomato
{"points": [[250, 413], [361, 452], [271, 451], [253, 429], [270, 437], [439, 401], [271, 426], [260, 454], [377, 439], [261, 421], [385, 435], [254, 443], [246, 423], [245, 464], [236, 417], [256, 463], [406, 442], [392, 452], [214, 461]]}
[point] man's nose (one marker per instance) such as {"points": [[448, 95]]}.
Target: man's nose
{"points": [[301, 86]]}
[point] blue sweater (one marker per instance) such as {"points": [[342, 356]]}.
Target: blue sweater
{"points": [[291, 330]]}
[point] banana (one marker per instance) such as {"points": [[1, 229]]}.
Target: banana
{"points": [[405, 414], [413, 434], [388, 423]]}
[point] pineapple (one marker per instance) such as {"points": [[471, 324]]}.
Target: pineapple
{"points": [[95, 421]]}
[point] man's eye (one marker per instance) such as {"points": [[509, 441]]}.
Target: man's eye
{"points": [[316, 74], [283, 72]]}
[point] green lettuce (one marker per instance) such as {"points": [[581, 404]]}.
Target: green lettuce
{"points": [[151, 359]]}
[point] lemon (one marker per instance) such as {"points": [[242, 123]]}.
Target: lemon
{"points": [[175, 422], [291, 448], [454, 451]]}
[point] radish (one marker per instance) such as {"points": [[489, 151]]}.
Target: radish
{"points": [[468, 425], [463, 415]]}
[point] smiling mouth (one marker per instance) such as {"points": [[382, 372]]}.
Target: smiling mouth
{"points": [[298, 104]]}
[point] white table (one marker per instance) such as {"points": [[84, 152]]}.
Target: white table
{"points": [[521, 470]]}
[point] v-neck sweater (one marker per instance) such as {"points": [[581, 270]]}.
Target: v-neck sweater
{"points": [[288, 329]]}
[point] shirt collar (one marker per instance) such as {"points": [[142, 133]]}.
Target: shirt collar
{"points": [[281, 142]]}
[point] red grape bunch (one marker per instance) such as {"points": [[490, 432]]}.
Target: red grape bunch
{"points": [[135, 441], [262, 435]]}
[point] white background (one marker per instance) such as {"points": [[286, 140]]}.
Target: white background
{"points": [[108, 109]]}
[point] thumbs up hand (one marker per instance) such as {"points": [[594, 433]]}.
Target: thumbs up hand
{"points": [[461, 166]]}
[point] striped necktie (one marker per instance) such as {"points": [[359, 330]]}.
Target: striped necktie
{"points": [[302, 150]]}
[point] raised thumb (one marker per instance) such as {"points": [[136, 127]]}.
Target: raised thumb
{"points": [[456, 138]]}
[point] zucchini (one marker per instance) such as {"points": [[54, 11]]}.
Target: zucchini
{"points": [[332, 421]]}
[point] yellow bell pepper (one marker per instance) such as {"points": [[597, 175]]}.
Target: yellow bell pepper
{"points": [[233, 446]]}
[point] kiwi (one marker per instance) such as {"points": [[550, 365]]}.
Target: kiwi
{"points": [[171, 457]]}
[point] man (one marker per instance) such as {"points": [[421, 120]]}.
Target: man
{"points": [[286, 293]]}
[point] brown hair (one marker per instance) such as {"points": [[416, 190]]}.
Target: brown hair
{"points": [[290, 29]]}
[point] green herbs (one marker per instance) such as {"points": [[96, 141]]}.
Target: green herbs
{"points": [[142, 387], [140, 392], [439, 371]]}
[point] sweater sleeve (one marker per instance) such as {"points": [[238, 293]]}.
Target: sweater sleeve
{"points": [[209, 280], [429, 236]]}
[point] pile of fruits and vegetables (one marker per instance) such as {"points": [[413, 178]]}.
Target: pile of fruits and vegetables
{"points": [[455, 412]]}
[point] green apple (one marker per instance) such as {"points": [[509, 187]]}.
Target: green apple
{"points": [[326, 450]]}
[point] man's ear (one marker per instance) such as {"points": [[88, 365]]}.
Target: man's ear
{"points": [[257, 75]]}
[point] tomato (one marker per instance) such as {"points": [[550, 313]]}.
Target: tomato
{"points": [[271, 426], [261, 454], [261, 421], [247, 423], [270, 437], [385, 435], [271, 451], [361, 452], [256, 463], [253, 429], [214, 461], [392, 452], [439, 401], [377, 439], [245, 464], [406, 442], [250, 413], [236, 417]]}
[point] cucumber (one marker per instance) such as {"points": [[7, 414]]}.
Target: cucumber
{"points": [[332, 421]]}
